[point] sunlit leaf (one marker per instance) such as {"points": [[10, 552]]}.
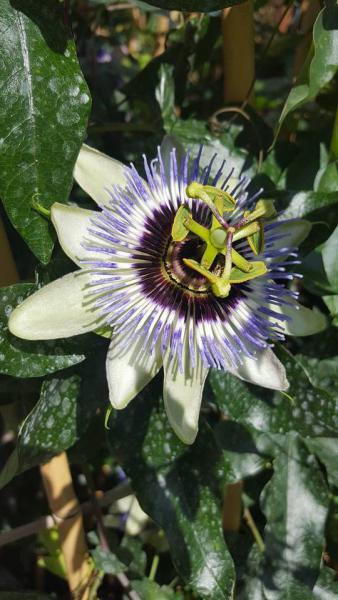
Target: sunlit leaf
{"points": [[150, 590], [326, 585], [295, 504], [327, 451], [50, 427], [329, 253], [323, 65], [45, 103], [303, 204], [107, 562], [332, 304]]}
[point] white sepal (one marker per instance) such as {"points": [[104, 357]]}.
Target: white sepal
{"points": [[303, 321], [97, 173], [265, 370], [71, 224], [59, 309]]}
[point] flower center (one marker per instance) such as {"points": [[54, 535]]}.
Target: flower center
{"points": [[176, 268], [209, 252]]}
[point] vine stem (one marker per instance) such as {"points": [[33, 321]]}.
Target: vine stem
{"points": [[153, 568], [254, 530], [47, 522]]}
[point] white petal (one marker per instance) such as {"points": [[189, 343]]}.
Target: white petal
{"points": [[297, 231], [182, 394], [266, 370], [71, 224], [304, 321], [136, 519], [55, 311], [96, 172], [129, 370]]}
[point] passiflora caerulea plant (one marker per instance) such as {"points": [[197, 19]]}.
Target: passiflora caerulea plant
{"points": [[185, 271], [168, 299]]}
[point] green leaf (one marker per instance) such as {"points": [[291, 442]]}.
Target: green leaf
{"points": [[132, 554], [307, 408], [332, 304], [107, 562], [193, 133], [245, 450], [327, 178], [194, 5], [150, 590], [321, 68], [45, 103], [22, 358], [327, 451], [326, 585], [295, 504], [303, 204], [178, 486], [165, 95], [329, 253], [50, 427], [320, 268]]}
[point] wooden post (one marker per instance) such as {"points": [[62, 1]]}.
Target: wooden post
{"points": [[8, 270], [232, 507], [309, 12], [66, 511], [238, 52]]}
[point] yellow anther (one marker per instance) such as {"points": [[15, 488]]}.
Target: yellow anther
{"points": [[256, 240], [240, 262], [219, 286], [263, 208], [257, 269], [246, 230]]}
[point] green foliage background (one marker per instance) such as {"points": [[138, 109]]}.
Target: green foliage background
{"points": [[53, 394]]}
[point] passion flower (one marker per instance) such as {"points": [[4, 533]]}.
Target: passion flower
{"points": [[184, 270]]}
